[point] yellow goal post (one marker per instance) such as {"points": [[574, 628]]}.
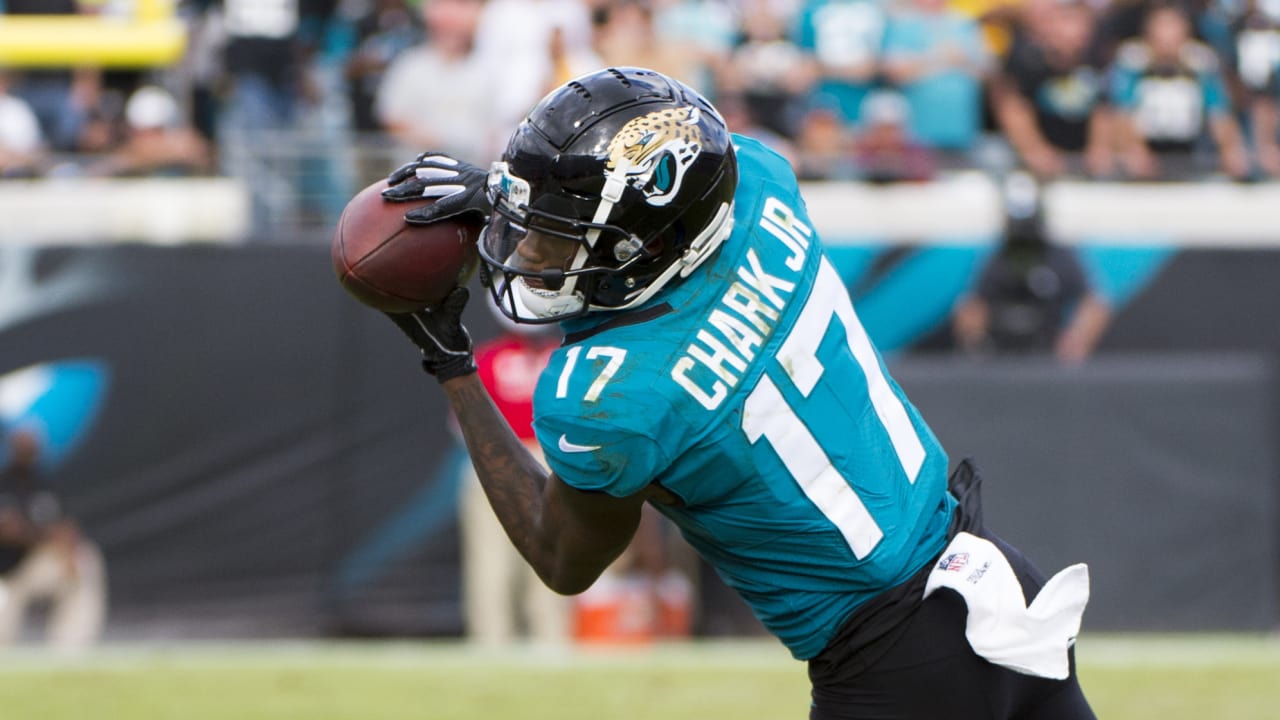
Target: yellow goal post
{"points": [[152, 36]]}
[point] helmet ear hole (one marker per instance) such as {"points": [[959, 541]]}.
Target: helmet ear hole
{"points": [[659, 243]]}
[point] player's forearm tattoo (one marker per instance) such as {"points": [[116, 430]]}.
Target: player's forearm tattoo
{"points": [[512, 478]]}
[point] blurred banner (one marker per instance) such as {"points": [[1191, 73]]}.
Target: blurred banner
{"points": [[260, 433], [263, 456], [1157, 470]]}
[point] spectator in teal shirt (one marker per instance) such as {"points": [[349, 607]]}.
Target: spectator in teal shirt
{"points": [[1258, 53], [845, 38], [1169, 95], [937, 58]]}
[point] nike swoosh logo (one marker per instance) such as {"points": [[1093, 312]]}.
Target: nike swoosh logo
{"points": [[566, 446]]}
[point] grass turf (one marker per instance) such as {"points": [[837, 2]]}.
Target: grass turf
{"points": [[1134, 678]]}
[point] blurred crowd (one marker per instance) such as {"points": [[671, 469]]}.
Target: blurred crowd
{"points": [[876, 90]]}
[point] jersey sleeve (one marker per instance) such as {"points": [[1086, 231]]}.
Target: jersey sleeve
{"points": [[1125, 73], [1204, 60], [1216, 100], [599, 456]]}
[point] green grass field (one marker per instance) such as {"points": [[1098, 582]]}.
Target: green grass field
{"points": [[1129, 677]]}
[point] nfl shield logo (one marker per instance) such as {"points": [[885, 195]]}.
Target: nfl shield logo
{"points": [[953, 562]]}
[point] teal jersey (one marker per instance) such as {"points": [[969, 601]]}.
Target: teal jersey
{"points": [[752, 392]]}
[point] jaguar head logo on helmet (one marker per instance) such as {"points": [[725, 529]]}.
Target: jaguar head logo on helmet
{"points": [[654, 150], [617, 184]]}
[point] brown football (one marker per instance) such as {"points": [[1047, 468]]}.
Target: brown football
{"points": [[396, 267]]}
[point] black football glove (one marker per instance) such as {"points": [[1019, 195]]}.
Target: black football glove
{"points": [[460, 188], [439, 334]]}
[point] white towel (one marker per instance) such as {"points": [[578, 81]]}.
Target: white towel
{"points": [[1001, 627]]}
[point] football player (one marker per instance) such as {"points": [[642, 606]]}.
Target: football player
{"points": [[714, 367]]}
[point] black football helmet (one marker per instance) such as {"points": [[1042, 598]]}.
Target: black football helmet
{"points": [[617, 184]]}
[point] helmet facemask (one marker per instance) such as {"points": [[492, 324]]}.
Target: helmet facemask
{"points": [[561, 266]]}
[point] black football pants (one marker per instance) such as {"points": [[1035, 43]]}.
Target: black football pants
{"points": [[931, 673]]}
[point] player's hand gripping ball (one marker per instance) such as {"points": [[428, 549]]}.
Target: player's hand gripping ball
{"points": [[396, 267]]}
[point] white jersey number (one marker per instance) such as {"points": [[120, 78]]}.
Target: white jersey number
{"points": [[767, 414], [1170, 108], [614, 357]]}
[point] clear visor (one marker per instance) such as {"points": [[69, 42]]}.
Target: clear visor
{"points": [[529, 242], [539, 256], [550, 250], [544, 258]]}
